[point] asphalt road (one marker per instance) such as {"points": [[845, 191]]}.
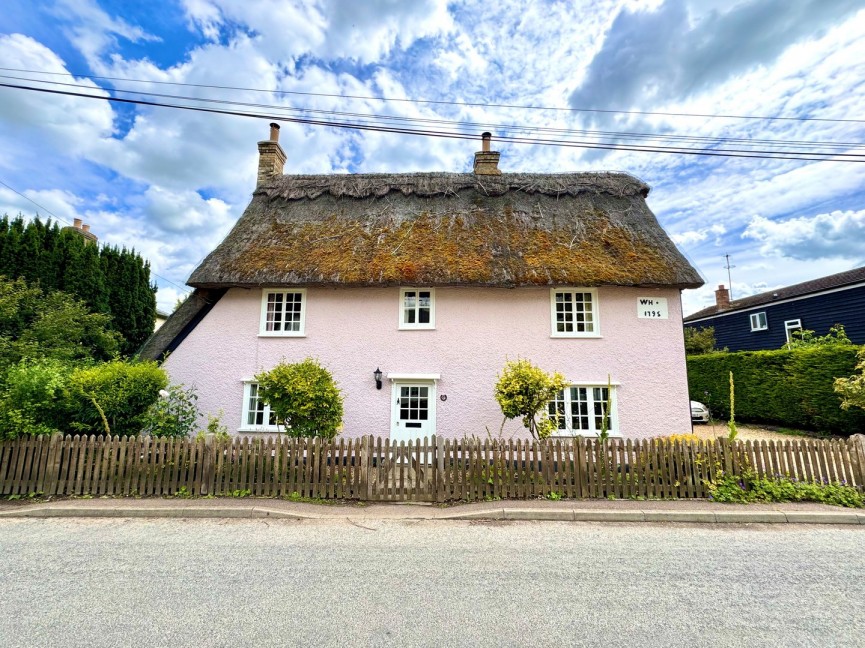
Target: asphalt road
{"points": [[88, 582]]}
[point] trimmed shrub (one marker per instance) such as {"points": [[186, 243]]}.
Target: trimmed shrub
{"points": [[116, 395], [525, 390], [304, 398], [786, 387]]}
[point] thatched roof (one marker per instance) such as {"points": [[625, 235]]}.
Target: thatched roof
{"points": [[448, 229]]}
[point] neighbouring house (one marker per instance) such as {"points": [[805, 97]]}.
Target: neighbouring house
{"points": [[82, 229], [437, 279], [161, 318], [767, 320]]}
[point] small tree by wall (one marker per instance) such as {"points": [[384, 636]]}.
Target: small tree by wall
{"points": [[852, 389], [699, 340], [304, 398], [525, 390]]}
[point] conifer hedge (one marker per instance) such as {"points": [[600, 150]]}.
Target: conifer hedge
{"points": [[109, 280], [790, 388]]}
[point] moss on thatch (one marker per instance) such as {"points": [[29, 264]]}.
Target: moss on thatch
{"points": [[448, 229]]}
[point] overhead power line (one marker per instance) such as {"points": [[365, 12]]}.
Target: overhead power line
{"points": [[613, 136], [458, 134], [444, 102], [63, 220]]}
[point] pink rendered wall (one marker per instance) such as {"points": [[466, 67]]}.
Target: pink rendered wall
{"points": [[353, 331]]}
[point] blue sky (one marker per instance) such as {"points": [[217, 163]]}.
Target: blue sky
{"points": [[172, 184]]}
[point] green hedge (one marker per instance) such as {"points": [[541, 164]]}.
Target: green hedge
{"points": [[792, 388]]}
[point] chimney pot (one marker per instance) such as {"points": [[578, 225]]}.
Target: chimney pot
{"points": [[486, 161], [76, 223], [271, 157], [86, 227], [722, 298]]}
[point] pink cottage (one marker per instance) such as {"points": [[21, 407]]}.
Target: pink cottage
{"points": [[436, 280]]}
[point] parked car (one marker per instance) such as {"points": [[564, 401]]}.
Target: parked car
{"points": [[699, 412]]}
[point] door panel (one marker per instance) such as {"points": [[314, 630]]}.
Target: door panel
{"points": [[413, 411]]}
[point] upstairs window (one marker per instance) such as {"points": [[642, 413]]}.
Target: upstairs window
{"points": [[759, 322], [417, 308], [579, 410], [283, 312], [574, 312], [257, 416]]}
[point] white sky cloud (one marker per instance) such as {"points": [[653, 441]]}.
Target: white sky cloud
{"points": [[173, 183]]}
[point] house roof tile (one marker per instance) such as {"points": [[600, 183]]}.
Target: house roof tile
{"points": [[849, 277]]}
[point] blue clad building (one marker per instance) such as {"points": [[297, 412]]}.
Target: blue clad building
{"points": [[767, 320]]}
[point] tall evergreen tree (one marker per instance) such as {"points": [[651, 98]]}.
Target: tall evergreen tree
{"points": [[107, 279]]}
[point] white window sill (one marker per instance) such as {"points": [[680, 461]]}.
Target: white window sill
{"points": [[281, 334], [259, 430], [576, 335], [407, 327]]}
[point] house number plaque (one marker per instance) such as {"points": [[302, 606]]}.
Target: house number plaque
{"points": [[652, 308]]}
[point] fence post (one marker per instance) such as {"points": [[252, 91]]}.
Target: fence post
{"points": [[52, 466], [205, 474], [365, 467], [857, 454], [439, 470]]}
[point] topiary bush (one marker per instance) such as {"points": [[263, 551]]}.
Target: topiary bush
{"points": [[786, 387], [525, 390], [304, 398]]}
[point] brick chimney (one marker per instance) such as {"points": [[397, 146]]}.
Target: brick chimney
{"points": [[487, 161], [271, 157], [82, 230], [722, 298]]}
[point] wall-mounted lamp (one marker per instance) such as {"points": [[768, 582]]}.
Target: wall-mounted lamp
{"points": [[377, 375]]}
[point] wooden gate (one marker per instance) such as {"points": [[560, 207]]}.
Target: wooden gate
{"points": [[401, 471]]}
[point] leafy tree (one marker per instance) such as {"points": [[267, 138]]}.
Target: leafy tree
{"points": [[807, 338], [107, 279], [34, 325], [304, 398], [852, 389], [699, 340], [524, 390]]}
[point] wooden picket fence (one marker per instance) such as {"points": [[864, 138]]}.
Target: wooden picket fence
{"points": [[374, 469]]}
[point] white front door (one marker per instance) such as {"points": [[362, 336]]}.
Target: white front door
{"points": [[413, 410]]}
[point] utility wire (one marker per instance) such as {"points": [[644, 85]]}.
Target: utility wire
{"points": [[373, 118], [63, 220], [762, 154], [444, 102]]}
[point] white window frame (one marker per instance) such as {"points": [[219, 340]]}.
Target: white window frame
{"points": [[755, 321], [407, 326], [790, 326], [595, 313], [245, 425], [262, 327], [593, 430]]}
